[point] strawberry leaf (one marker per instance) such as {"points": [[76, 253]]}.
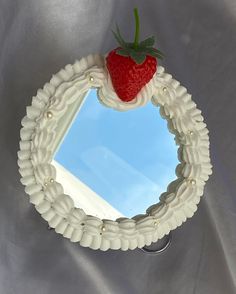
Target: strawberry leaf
{"points": [[149, 42], [119, 38], [122, 52], [154, 52], [139, 58], [130, 45], [158, 51]]}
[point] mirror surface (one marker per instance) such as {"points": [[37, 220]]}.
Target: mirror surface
{"points": [[114, 164]]}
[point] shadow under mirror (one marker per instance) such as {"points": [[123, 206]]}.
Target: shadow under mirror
{"points": [[115, 164]]}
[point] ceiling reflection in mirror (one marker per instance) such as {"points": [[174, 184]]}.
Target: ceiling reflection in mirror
{"points": [[114, 164]]}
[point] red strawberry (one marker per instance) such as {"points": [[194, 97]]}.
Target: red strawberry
{"points": [[132, 65]]}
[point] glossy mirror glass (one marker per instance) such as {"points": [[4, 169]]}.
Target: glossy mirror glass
{"points": [[114, 164]]}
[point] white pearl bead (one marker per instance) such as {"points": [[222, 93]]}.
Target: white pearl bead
{"points": [[164, 89], [192, 182], [49, 114]]}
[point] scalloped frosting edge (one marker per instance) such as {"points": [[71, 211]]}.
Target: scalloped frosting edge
{"points": [[38, 175]]}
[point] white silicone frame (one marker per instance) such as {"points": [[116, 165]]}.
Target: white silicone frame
{"points": [[38, 175]]}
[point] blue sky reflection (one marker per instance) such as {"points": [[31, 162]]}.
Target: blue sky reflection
{"points": [[128, 158]]}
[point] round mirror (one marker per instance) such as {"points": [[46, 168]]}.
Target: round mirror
{"points": [[114, 164]]}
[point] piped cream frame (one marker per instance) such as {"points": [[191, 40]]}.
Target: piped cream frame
{"points": [[38, 143]]}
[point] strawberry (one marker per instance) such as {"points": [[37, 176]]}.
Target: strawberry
{"points": [[132, 65]]}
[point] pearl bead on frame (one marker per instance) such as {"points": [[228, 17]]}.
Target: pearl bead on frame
{"points": [[191, 133], [49, 114], [164, 89], [91, 78], [192, 182]]}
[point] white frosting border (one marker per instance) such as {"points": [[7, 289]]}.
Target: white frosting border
{"points": [[38, 175]]}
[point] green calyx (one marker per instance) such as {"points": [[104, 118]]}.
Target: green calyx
{"points": [[137, 50]]}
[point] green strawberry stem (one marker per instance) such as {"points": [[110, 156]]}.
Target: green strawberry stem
{"points": [[136, 50], [136, 39]]}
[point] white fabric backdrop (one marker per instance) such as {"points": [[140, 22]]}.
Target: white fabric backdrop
{"points": [[37, 38]]}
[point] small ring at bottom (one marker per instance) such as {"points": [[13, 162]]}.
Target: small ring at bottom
{"points": [[160, 250]]}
